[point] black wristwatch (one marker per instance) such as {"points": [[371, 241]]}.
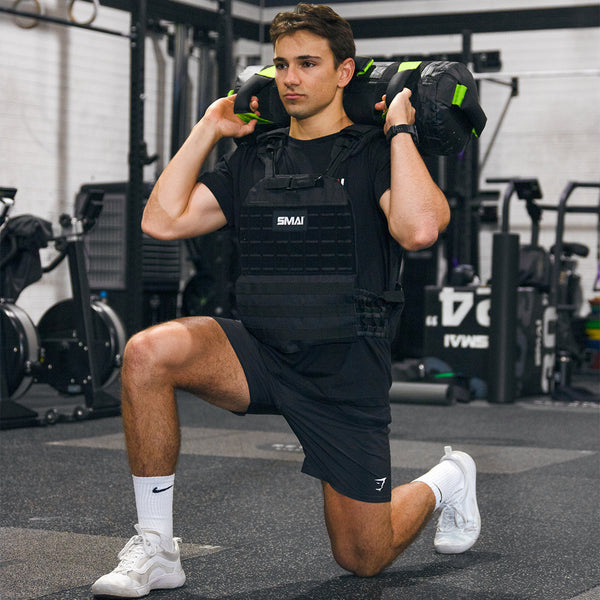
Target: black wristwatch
{"points": [[394, 129]]}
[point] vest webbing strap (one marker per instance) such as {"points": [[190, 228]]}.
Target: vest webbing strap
{"points": [[350, 140], [318, 284]]}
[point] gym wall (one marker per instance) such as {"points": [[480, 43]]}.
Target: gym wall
{"points": [[64, 113]]}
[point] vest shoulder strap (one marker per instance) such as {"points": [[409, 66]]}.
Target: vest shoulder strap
{"points": [[269, 146], [350, 141]]}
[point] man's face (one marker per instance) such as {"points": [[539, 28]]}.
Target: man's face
{"points": [[306, 77]]}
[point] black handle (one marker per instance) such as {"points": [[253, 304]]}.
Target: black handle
{"points": [[252, 87], [405, 78]]}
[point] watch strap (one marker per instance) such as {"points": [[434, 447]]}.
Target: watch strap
{"points": [[396, 129]]}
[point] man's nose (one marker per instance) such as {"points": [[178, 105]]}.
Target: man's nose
{"points": [[291, 76]]}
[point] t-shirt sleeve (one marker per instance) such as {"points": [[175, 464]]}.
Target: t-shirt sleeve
{"points": [[380, 157]]}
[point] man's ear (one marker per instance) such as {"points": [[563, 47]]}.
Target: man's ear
{"points": [[346, 72]]}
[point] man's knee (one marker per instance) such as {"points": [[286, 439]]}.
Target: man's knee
{"points": [[140, 356], [161, 349], [361, 561]]}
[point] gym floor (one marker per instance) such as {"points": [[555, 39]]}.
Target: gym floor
{"points": [[252, 524]]}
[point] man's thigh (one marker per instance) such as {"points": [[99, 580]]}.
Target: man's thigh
{"points": [[196, 356]]}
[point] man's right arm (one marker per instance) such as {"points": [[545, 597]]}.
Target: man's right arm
{"points": [[178, 206]]}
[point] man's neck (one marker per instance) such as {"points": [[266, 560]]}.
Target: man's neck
{"points": [[325, 123]]}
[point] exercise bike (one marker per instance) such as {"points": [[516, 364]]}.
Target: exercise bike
{"points": [[78, 343], [566, 295], [554, 274]]}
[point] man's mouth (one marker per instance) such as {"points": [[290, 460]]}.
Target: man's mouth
{"points": [[291, 96]]}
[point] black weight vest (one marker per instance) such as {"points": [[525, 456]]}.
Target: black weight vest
{"points": [[297, 285]]}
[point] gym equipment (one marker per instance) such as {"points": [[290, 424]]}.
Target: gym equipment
{"points": [[65, 365], [16, 329], [90, 19], [566, 297], [503, 309], [552, 275], [592, 330], [78, 344], [427, 381], [502, 333], [138, 151], [503, 318], [108, 255], [444, 96], [458, 331], [502, 373], [445, 394]]}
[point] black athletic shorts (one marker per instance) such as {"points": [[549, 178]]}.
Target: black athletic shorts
{"points": [[345, 443]]}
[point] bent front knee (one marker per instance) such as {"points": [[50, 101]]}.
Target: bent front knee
{"points": [[144, 356], [138, 352]]}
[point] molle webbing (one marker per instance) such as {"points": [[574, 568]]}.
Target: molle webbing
{"points": [[293, 308], [312, 308], [293, 230]]}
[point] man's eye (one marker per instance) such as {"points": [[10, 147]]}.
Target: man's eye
{"points": [[308, 63], [280, 66]]}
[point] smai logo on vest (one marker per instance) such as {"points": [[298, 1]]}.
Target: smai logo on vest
{"points": [[285, 220]]}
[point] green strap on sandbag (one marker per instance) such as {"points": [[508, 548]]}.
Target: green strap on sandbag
{"points": [[459, 94], [268, 72], [409, 65]]}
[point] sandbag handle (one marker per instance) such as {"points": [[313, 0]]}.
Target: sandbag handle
{"points": [[407, 76], [252, 87]]}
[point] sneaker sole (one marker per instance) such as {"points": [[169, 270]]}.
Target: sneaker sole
{"points": [[164, 583], [457, 544]]}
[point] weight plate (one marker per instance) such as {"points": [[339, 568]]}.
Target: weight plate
{"points": [[68, 356], [20, 348]]}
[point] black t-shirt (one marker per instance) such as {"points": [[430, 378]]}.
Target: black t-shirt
{"points": [[341, 371]]}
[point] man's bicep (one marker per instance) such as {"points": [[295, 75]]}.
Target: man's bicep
{"points": [[384, 201], [205, 214]]}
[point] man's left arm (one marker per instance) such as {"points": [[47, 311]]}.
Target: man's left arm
{"points": [[415, 207]]}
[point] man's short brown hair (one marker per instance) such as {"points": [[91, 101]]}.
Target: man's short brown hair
{"points": [[320, 20]]}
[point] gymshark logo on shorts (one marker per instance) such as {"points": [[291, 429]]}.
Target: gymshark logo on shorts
{"points": [[289, 220], [380, 484]]}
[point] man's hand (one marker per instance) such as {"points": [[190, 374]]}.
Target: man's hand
{"points": [[400, 112], [225, 122]]}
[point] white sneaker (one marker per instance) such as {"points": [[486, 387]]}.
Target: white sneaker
{"points": [[459, 524], [144, 565]]}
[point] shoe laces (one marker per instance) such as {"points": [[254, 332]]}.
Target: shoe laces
{"points": [[451, 518], [138, 546]]}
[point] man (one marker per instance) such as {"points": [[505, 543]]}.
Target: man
{"points": [[329, 376]]}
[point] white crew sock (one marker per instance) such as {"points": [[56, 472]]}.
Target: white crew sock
{"points": [[445, 480], [154, 503]]}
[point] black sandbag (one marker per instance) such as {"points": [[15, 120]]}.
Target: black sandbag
{"points": [[444, 96]]}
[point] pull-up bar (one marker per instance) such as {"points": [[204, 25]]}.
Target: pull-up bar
{"points": [[65, 22], [537, 75]]}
